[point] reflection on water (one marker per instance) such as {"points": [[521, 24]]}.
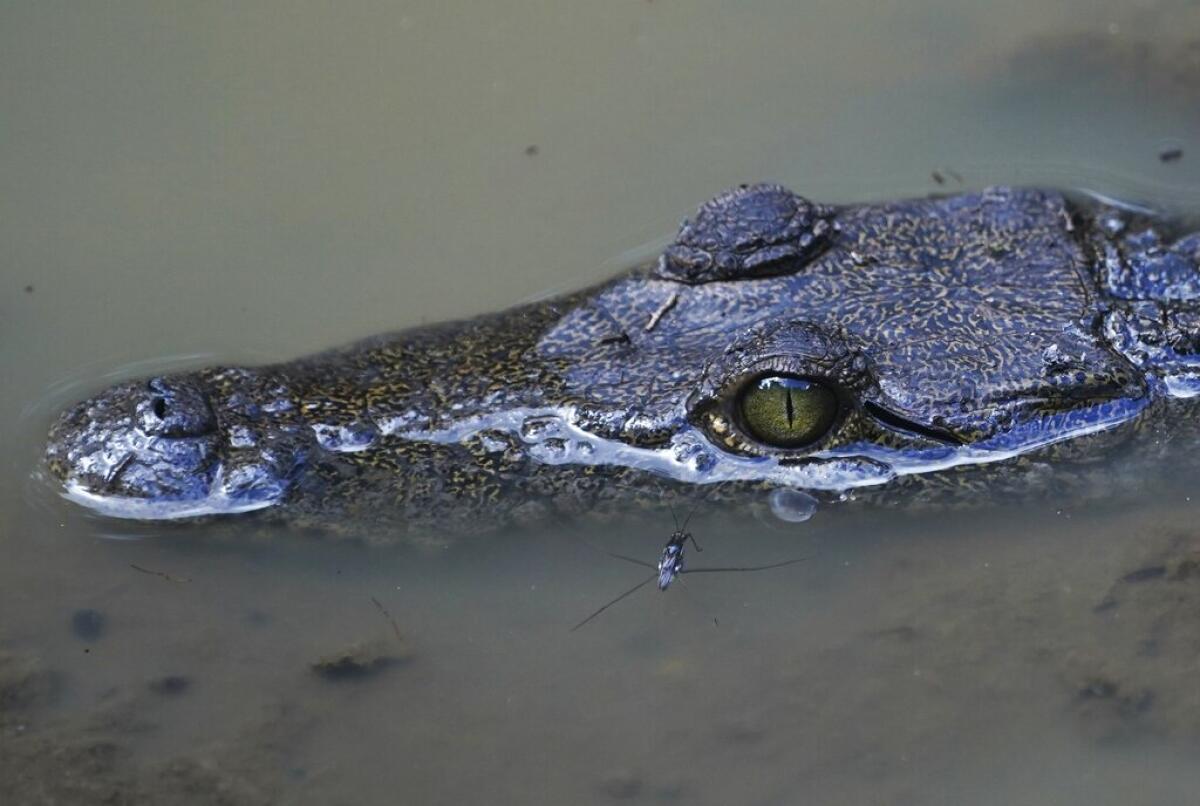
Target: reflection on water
{"points": [[269, 180]]}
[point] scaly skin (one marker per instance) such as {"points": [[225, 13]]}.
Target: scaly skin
{"points": [[970, 340]]}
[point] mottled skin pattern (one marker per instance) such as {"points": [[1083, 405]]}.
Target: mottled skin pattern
{"points": [[971, 340]]}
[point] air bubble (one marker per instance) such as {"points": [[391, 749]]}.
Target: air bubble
{"points": [[793, 506]]}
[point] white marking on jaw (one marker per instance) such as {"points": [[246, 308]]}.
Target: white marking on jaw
{"points": [[1182, 384], [217, 502], [691, 458]]}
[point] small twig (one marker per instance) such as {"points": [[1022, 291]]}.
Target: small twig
{"points": [[662, 311], [388, 616], [167, 577]]}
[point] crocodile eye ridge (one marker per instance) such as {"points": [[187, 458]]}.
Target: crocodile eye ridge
{"points": [[747, 232]]}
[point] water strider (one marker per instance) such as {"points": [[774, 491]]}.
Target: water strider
{"points": [[953, 348], [671, 564]]}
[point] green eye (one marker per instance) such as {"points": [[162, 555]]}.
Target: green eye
{"points": [[788, 412]]}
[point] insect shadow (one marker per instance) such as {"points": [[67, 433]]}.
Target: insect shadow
{"points": [[671, 563]]}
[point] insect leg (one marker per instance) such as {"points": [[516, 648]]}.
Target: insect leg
{"points": [[745, 567], [611, 603]]}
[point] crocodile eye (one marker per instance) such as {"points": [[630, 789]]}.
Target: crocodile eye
{"points": [[787, 412]]}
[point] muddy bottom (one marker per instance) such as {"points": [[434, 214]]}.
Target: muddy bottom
{"points": [[1046, 656]]}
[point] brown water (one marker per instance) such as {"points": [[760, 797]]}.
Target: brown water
{"points": [[259, 181]]}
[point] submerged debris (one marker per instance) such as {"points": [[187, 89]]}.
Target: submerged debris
{"points": [[1184, 567], [171, 685], [1110, 706], [1145, 574], [621, 784], [25, 684], [359, 660]]}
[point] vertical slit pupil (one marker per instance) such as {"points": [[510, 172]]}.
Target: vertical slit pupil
{"points": [[787, 411]]}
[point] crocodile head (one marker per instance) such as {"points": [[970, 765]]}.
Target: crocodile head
{"points": [[776, 345]]}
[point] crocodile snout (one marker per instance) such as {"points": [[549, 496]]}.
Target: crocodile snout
{"points": [[136, 442]]}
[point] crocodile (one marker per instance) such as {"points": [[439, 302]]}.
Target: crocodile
{"points": [[777, 350]]}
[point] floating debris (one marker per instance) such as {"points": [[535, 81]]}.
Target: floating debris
{"points": [[940, 176], [661, 311], [395, 627]]}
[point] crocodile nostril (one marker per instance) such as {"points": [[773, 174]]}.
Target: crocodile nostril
{"points": [[177, 406]]}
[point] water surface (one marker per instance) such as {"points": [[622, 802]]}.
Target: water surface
{"points": [[257, 182]]}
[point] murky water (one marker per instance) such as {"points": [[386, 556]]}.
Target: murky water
{"points": [[260, 181]]}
